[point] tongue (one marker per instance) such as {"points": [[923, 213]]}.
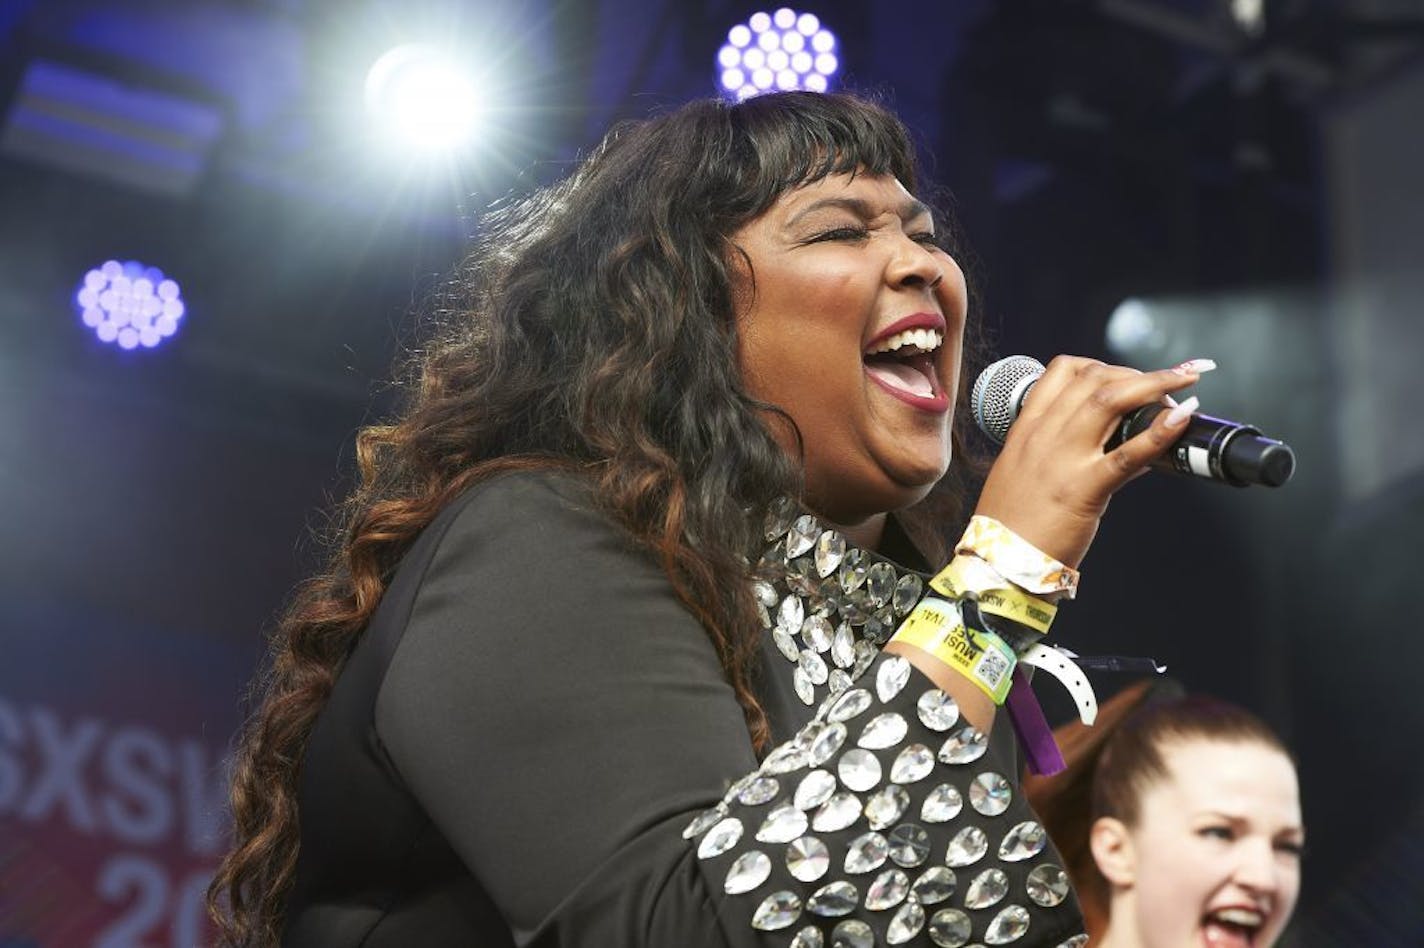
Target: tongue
{"points": [[1223, 935], [907, 377]]}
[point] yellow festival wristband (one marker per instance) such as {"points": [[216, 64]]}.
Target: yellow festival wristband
{"points": [[966, 576], [937, 627]]}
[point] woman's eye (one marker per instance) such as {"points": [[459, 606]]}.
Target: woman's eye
{"points": [[927, 239], [840, 233], [1216, 832], [1291, 848]]}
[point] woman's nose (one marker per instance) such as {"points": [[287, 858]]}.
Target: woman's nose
{"points": [[915, 265]]}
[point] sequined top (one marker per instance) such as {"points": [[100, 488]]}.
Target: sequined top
{"points": [[533, 744]]}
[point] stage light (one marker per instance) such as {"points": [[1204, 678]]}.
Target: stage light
{"points": [[1133, 331], [778, 50], [422, 99], [130, 305]]}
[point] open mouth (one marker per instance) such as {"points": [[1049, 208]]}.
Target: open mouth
{"points": [[1232, 927], [903, 363]]}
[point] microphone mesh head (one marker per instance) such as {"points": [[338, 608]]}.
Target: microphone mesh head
{"points": [[999, 391]]}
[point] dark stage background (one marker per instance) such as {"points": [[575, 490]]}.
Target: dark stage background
{"points": [[1257, 190]]}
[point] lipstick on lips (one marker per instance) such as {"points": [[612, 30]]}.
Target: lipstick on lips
{"points": [[900, 359]]}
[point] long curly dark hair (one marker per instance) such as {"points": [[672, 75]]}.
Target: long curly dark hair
{"points": [[593, 328]]}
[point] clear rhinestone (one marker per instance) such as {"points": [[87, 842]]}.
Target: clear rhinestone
{"points": [[879, 624], [887, 891], [784, 759], [865, 655], [937, 710], [884, 731], [827, 743], [759, 791], [833, 898], [839, 681], [907, 593], [866, 853], [987, 888], [1077, 941], [852, 571], [764, 616], [990, 793], [817, 633], [880, 583], [830, 550], [1008, 926], [852, 933], [886, 806], [808, 937], [852, 608], [950, 928], [814, 666], [785, 644], [803, 686], [1024, 841], [815, 788], [779, 517], [942, 804], [891, 677], [705, 821], [837, 813], [968, 846], [859, 770], [791, 613], [803, 535], [843, 646], [935, 884], [749, 870], [782, 825], [801, 576], [777, 911], [808, 859], [720, 838], [906, 924], [914, 763], [909, 845], [964, 746], [1047, 885], [848, 705], [765, 593]]}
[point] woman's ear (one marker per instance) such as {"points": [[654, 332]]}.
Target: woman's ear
{"points": [[1112, 849]]}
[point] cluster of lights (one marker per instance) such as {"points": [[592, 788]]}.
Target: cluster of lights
{"points": [[781, 50], [129, 304]]}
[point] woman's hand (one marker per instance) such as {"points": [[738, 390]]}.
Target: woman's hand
{"points": [[1052, 480]]}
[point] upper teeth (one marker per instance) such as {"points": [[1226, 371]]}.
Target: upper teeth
{"points": [[1237, 916], [926, 340]]}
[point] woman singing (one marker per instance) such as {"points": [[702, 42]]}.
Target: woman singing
{"points": [[613, 650]]}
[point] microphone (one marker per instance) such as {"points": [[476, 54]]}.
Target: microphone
{"points": [[1227, 452]]}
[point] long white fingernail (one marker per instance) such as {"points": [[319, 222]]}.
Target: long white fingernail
{"points": [[1195, 366], [1178, 416]]}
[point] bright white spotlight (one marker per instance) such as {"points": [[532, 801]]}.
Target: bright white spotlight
{"points": [[423, 98], [771, 50], [1132, 330]]}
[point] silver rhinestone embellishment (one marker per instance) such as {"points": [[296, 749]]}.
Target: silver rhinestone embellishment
{"points": [[777, 911], [803, 535], [1008, 926], [942, 804], [968, 846], [909, 845], [791, 613], [808, 859], [784, 759], [907, 593], [859, 770], [880, 583], [808, 937], [887, 891], [852, 572], [891, 678], [987, 888], [906, 924], [849, 705], [912, 764], [782, 825], [937, 710], [759, 791], [1024, 841], [1047, 885], [843, 646], [705, 821], [885, 730], [886, 806], [1077, 941], [852, 933], [824, 747], [837, 813], [950, 928], [833, 899], [830, 550], [720, 838], [749, 870], [817, 633], [935, 884], [964, 746], [814, 666], [989, 793], [785, 644], [866, 853], [815, 788]]}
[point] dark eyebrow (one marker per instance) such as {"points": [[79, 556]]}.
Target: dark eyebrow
{"points": [[906, 211]]}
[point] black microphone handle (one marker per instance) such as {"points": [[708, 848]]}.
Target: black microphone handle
{"points": [[1224, 451]]}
